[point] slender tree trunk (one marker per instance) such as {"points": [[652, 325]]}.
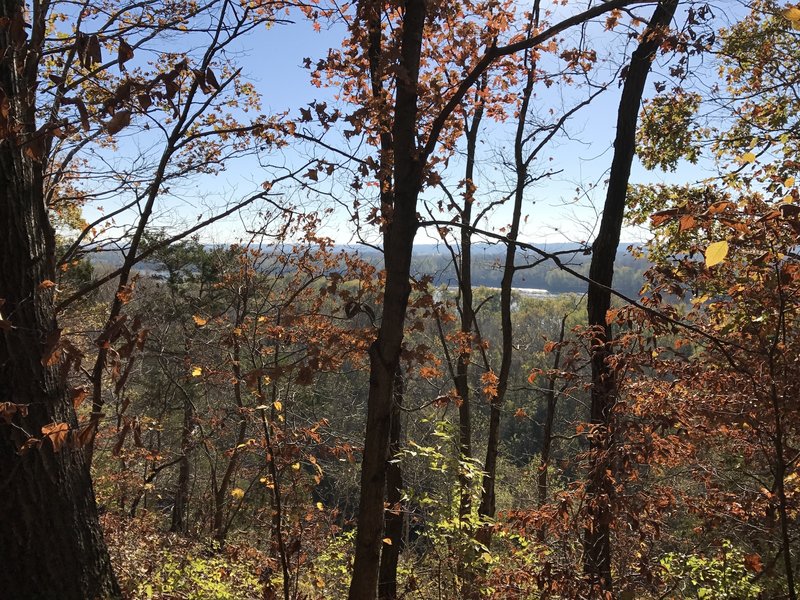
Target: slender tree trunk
{"points": [[600, 488], [52, 544], [547, 433], [390, 554], [778, 403], [487, 506], [180, 508], [384, 353]]}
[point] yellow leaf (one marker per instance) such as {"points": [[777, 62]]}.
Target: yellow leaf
{"points": [[748, 157], [199, 321], [277, 404], [387, 541], [237, 493], [296, 466], [789, 182], [716, 253], [792, 14], [197, 371]]}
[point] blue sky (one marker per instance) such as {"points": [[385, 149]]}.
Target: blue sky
{"points": [[563, 208]]}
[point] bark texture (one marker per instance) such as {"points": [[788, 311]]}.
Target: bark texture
{"points": [[390, 555], [52, 544]]}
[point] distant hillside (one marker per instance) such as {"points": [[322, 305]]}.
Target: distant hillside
{"points": [[435, 260]]}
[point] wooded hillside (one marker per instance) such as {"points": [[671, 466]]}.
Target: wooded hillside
{"points": [[256, 351]]}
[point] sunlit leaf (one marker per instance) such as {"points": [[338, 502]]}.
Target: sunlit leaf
{"points": [[716, 253], [748, 157]]}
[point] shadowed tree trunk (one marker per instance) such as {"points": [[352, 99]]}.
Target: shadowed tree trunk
{"points": [[180, 509], [385, 351], [390, 554], [52, 545], [547, 434], [600, 488]]}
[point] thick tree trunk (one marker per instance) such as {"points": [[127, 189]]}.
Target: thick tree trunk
{"points": [[384, 353], [52, 545], [600, 489], [390, 554]]}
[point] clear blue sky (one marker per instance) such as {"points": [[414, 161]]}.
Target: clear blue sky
{"points": [[272, 59]]}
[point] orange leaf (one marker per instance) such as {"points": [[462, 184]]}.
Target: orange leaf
{"points": [[57, 433]]}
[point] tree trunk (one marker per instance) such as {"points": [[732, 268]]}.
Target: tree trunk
{"points": [[52, 544], [180, 508], [384, 353], [488, 497], [390, 555], [600, 488], [547, 433]]}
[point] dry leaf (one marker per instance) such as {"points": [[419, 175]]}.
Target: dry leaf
{"points": [[57, 433]]}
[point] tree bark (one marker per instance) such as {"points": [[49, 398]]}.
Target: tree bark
{"points": [[180, 509], [399, 232], [390, 554], [547, 433], [600, 488], [52, 544]]}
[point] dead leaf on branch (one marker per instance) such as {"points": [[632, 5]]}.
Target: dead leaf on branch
{"points": [[57, 433], [124, 54], [118, 122], [8, 410]]}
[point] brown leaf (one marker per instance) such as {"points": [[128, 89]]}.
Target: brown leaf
{"points": [[9, 409], [687, 222], [753, 563], [211, 79], [57, 433], [145, 101], [46, 285], [200, 78], [85, 436], [789, 211], [50, 353], [124, 54], [662, 216], [118, 122], [78, 395], [171, 88], [121, 439], [92, 54], [78, 103], [720, 206]]}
